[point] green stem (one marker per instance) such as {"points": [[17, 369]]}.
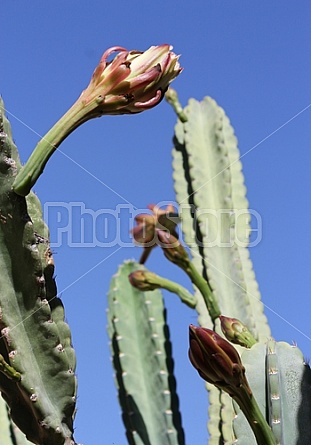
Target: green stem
{"points": [[172, 99], [75, 116], [8, 370], [185, 296], [204, 288], [255, 418]]}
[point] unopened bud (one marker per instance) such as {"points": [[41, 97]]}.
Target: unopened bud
{"points": [[236, 332], [173, 250], [144, 280], [144, 233], [216, 360]]}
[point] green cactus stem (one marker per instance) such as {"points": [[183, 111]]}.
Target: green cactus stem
{"points": [[142, 358], [208, 181], [281, 383], [8, 370], [210, 190], [35, 341]]}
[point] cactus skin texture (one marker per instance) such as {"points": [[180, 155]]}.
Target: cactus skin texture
{"points": [[210, 190], [35, 340], [281, 382], [141, 353]]}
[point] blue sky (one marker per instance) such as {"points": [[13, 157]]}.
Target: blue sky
{"points": [[254, 59]]}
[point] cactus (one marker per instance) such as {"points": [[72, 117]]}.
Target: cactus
{"points": [[209, 182], [141, 354], [207, 176], [37, 379], [210, 186], [259, 389], [281, 366]]}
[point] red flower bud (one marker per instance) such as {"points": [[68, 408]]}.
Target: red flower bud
{"points": [[216, 360]]}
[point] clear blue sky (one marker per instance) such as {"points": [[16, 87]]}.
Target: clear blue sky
{"points": [[254, 59]]}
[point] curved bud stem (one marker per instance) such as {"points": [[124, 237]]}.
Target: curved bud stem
{"points": [[145, 280], [175, 253], [172, 98], [38, 159], [206, 291]]}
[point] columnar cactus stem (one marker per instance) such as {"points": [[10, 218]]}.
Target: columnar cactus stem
{"points": [[37, 360]]}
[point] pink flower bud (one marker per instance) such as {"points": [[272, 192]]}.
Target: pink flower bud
{"points": [[133, 81], [145, 233], [172, 249]]}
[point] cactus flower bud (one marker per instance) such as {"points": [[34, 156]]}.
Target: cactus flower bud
{"points": [[219, 363], [133, 81], [236, 332], [145, 233], [173, 250], [216, 360], [144, 280]]}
